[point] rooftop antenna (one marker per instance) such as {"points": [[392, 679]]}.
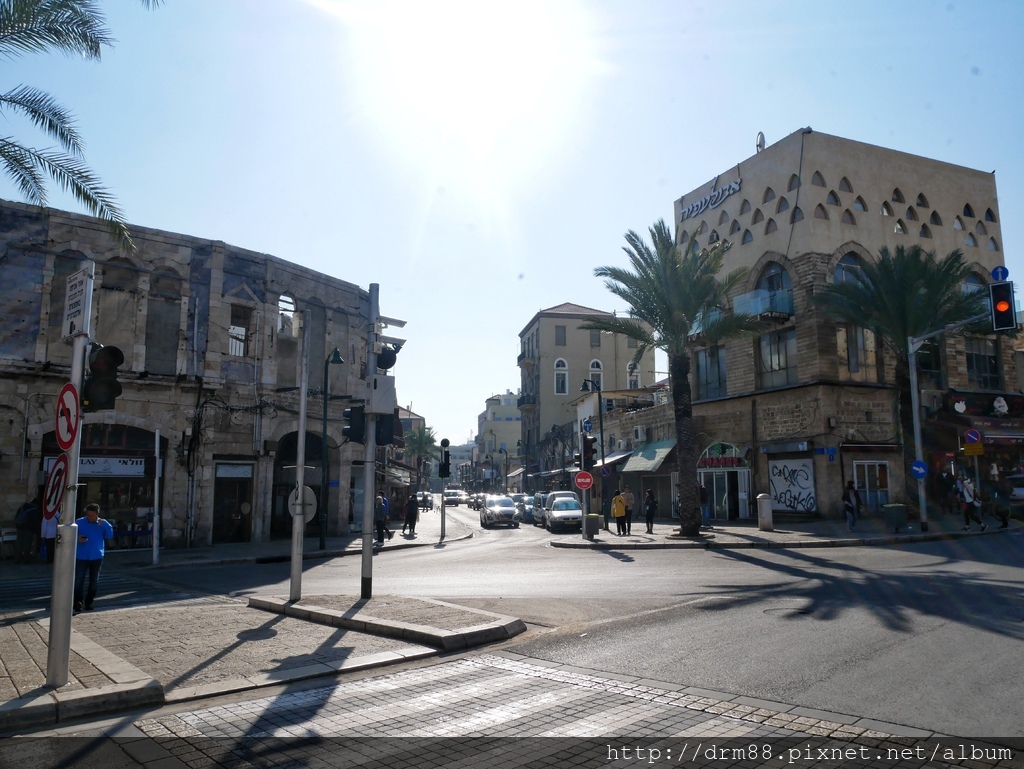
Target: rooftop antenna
{"points": [[759, 143]]}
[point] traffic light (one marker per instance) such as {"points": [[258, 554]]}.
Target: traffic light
{"points": [[385, 429], [101, 388], [577, 460], [589, 452], [445, 468], [1004, 309], [355, 430]]}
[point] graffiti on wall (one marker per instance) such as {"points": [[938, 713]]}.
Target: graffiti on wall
{"points": [[792, 484]]}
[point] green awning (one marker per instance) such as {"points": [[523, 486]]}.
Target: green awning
{"points": [[648, 458]]}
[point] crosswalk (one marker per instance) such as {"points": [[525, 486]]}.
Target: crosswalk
{"points": [[116, 591], [499, 710]]}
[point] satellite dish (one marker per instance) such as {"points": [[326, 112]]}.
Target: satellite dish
{"points": [[760, 141]]}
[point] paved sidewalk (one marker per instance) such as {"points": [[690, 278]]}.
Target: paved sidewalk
{"points": [[183, 648]]}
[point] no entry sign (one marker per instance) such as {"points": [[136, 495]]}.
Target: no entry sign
{"points": [[583, 480]]}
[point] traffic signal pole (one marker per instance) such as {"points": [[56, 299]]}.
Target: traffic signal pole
{"points": [[370, 452]]}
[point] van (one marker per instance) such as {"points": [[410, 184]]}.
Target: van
{"points": [[538, 507]]}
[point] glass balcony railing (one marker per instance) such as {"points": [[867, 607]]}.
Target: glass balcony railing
{"points": [[761, 302]]}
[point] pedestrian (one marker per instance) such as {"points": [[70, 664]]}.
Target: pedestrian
{"points": [[705, 504], [387, 516], [26, 521], [627, 495], [619, 513], [971, 505], [93, 533], [412, 510], [380, 517], [946, 489], [650, 510], [1004, 493], [851, 505], [48, 533]]}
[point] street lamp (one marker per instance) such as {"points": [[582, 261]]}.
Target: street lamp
{"points": [[504, 481], [524, 452], [335, 359], [490, 469], [593, 385]]}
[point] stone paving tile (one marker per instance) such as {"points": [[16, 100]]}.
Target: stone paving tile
{"points": [[401, 609]]}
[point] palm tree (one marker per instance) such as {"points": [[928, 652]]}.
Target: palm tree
{"points": [[676, 303], [421, 445], [906, 293], [73, 27]]}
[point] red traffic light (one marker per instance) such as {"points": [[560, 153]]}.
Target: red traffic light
{"points": [[1004, 308]]}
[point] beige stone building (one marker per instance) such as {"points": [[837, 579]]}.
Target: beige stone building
{"points": [[212, 339], [497, 442], [807, 404], [556, 357]]}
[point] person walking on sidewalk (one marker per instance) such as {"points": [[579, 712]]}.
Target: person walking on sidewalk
{"points": [[851, 505], [627, 495], [93, 533], [705, 504], [412, 510], [971, 505], [26, 522], [619, 513], [380, 518], [650, 510]]}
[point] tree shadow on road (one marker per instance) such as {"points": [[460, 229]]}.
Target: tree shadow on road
{"points": [[828, 588]]}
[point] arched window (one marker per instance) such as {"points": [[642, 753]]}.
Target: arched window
{"points": [[844, 185], [992, 245], [632, 377], [684, 237], [796, 216], [747, 237], [745, 207], [818, 180], [757, 217], [957, 224], [782, 206], [561, 377], [713, 237], [596, 373], [886, 209], [989, 216], [935, 219], [972, 284], [922, 201], [703, 228], [897, 196], [900, 228], [859, 204], [769, 194], [774, 279], [833, 199], [723, 217], [850, 267], [286, 324], [968, 211], [971, 241], [794, 183], [770, 227], [924, 232], [820, 212], [980, 228], [734, 227], [848, 217], [911, 214]]}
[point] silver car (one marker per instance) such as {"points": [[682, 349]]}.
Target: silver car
{"points": [[499, 510], [563, 513]]}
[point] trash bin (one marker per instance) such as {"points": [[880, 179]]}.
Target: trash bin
{"points": [[765, 521], [895, 516], [591, 525]]}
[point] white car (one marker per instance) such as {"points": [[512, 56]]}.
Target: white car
{"points": [[1017, 496], [563, 513], [499, 510], [452, 497]]}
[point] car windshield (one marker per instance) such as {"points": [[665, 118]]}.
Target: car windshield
{"points": [[504, 503], [566, 504]]}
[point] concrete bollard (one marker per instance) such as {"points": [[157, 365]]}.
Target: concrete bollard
{"points": [[764, 513]]}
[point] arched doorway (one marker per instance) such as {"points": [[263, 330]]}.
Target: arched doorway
{"points": [[725, 473], [284, 480]]}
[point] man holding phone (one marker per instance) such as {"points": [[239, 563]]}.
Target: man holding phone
{"points": [[93, 533]]}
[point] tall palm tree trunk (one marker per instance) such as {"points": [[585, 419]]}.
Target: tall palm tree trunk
{"points": [[905, 405], [686, 462]]}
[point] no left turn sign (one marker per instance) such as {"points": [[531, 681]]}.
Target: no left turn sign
{"points": [[66, 417], [53, 494]]}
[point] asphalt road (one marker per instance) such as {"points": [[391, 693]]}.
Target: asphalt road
{"points": [[927, 635]]}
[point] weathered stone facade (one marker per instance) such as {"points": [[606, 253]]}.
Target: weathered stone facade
{"points": [[212, 340]]}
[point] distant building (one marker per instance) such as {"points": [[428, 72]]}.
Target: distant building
{"points": [[497, 441]]}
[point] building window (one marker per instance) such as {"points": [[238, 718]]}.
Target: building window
{"points": [[982, 363], [777, 359], [971, 241], [848, 268], [992, 245], [561, 377], [897, 196], [924, 232], [238, 330], [820, 212], [560, 336], [711, 373], [794, 183], [922, 201], [734, 227], [595, 338], [848, 217], [833, 199], [757, 217], [770, 227], [968, 211], [844, 185], [859, 204], [286, 325], [596, 374], [723, 217], [957, 224], [769, 194], [632, 377], [745, 207], [989, 216], [935, 219], [886, 209], [796, 216], [980, 228], [972, 284], [929, 364], [783, 206], [858, 354], [817, 179], [747, 237], [900, 228], [911, 214]]}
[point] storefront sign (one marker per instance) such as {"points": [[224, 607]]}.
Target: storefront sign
{"points": [[721, 462], [713, 200], [107, 467]]}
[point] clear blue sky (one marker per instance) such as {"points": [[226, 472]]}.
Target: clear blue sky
{"points": [[479, 159]]}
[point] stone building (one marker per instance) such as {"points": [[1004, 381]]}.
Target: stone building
{"points": [[808, 404], [212, 340]]}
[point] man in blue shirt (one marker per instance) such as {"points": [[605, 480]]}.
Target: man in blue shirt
{"points": [[93, 533]]}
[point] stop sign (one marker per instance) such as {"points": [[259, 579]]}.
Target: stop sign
{"points": [[583, 480]]}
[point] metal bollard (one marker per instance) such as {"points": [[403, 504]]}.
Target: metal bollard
{"points": [[764, 513], [58, 656]]}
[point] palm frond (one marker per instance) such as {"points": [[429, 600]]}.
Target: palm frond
{"points": [[74, 27], [44, 111]]}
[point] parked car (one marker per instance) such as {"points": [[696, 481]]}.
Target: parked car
{"points": [[452, 497], [538, 507], [524, 504], [564, 513], [463, 497], [499, 510], [1017, 496]]}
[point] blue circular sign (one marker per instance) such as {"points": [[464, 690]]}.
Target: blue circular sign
{"points": [[972, 436], [587, 425], [1000, 273], [605, 471], [920, 469]]}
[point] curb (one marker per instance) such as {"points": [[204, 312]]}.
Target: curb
{"points": [[500, 628]]}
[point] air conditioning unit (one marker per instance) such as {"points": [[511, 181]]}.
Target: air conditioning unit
{"points": [[639, 434]]}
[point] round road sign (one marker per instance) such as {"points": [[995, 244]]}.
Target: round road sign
{"points": [[972, 436], [307, 508], [66, 417], [588, 426], [583, 480], [53, 494], [920, 469]]}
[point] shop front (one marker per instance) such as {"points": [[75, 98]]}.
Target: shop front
{"points": [[725, 474]]}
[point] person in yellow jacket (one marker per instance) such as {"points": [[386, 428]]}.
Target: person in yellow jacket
{"points": [[619, 513]]}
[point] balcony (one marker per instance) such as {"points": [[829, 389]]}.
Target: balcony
{"points": [[697, 330], [766, 305], [527, 402], [526, 359]]}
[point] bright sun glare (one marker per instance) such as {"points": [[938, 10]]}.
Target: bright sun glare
{"points": [[485, 91]]}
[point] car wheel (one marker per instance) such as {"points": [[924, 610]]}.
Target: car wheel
{"points": [[515, 525]]}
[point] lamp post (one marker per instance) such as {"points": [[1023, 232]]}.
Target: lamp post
{"points": [[490, 470], [592, 385], [504, 480], [524, 453], [334, 358]]}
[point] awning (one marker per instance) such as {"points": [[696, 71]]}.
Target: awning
{"points": [[648, 458], [517, 472], [611, 459]]}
